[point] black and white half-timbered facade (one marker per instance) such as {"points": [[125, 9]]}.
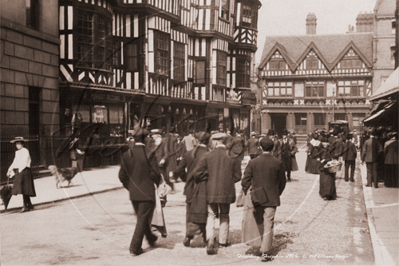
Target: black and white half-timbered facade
{"points": [[310, 80], [176, 63]]}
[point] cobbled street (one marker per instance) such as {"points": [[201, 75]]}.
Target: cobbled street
{"points": [[97, 229]]}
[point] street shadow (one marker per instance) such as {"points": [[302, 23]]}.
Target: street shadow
{"points": [[280, 242], [70, 186]]}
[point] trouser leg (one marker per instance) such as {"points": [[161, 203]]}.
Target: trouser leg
{"points": [[353, 166], [369, 173], [347, 164], [210, 222], [224, 223], [268, 224], [289, 175], [375, 174], [144, 211], [27, 202]]}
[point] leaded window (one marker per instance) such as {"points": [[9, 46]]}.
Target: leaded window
{"points": [[315, 89], [131, 56], [178, 61], [221, 68], [243, 72], [279, 89], [224, 9], [85, 39], [351, 88], [162, 53]]}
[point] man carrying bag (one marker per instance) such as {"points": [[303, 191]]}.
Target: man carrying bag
{"points": [[266, 176]]}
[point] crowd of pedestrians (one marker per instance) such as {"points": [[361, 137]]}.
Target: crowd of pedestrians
{"points": [[210, 165]]}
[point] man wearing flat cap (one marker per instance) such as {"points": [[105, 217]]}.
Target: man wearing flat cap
{"points": [[265, 176], [138, 174], [222, 172], [253, 146], [197, 208]]}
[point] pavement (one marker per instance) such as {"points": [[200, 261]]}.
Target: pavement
{"points": [[381, 204]]}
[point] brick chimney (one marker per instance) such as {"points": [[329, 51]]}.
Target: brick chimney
{"points": [[311, 22], [364, 22]]}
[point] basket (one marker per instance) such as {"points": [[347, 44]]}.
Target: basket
{"points": [[334, 168]]}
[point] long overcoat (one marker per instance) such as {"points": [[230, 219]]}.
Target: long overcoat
{"points": [[139, 173], [222, 172]]}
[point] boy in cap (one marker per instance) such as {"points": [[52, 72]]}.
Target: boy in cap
{"points": [[266, 176]]}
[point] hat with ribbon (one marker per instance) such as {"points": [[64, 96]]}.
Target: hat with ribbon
{"points": [[19, 139]]}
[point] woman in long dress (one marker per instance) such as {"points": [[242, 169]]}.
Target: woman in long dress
{"points": [[312, 164], [20, 168], [327, 180]]}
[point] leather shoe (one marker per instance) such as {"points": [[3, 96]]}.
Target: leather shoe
{"points": [[152, 240], [266, 257], [25, 209], [186, 241], [139, 252], [210, 249], [225, 245]]}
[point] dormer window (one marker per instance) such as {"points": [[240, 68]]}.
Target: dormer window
{"points": [[312, 62], [277, 65], [351, 60]]}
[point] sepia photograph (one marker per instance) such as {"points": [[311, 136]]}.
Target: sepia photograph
{"points": [[199, 132]]}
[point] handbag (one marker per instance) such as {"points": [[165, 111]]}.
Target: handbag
{"points": [[240, 199], [163, 188]]}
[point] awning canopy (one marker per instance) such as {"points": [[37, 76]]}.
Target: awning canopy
{"points": [[388, 115], [391, 85]]}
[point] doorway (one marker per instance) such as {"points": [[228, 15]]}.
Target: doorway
{"points": [[279, 122]]}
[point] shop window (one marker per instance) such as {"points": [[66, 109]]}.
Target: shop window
{"points": [[221, 68], [115, 114], [162, 41], [314, 89], [199, 72], [339, 116], [178, 61], [99, 114], [243, 72], [32, 14], [319, 119], [357, 119], [131, 56], [224, 9], [351, 88], [280, 89], [300, 119]]}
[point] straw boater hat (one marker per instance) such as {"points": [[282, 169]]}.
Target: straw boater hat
{"points": [[219, 136], [19, 139]]}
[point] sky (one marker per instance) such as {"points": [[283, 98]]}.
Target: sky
{"points": [[288, 17]]}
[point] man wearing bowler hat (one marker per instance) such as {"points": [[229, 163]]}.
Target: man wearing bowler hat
{"points": [[371, 150], [266, 176], [285, 153], [222, 172]]}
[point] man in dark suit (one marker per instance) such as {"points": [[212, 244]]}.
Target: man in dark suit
{"points": [[266, 175], [253, 146], [138, 174], [349, 156], [196, 209], [371, 150], [285, 153], [222, 172]]}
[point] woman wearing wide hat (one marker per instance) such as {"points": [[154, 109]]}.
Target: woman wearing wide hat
{"points": [[20, 168]]}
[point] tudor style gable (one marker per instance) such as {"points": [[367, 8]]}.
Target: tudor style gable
{"points": [[351, 61]]}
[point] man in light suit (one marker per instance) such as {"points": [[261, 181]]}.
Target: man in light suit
{"points": [[266, 176], [222, 172], [371, 150], [138, 174]]}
